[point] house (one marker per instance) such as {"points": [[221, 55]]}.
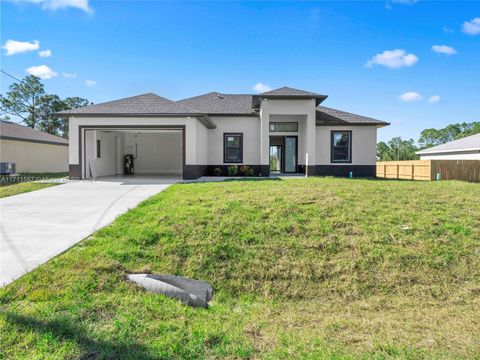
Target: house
{"points": [[32, 151], [467, 148], [280, 131]]}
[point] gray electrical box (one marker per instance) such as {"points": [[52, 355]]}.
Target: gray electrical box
{"points": [[7, 168]]}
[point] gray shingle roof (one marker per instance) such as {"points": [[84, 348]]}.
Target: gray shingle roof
{"points": [[149, 103], [329, 116], [217, 103], [468, 143], [13, 131], [288, 91]]}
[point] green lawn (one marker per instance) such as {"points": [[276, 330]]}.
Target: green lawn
{"points": [[22, 183], [310, 268], [20, 188]]}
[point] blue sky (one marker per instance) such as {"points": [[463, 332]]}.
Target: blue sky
{"points": [[371, 58]]}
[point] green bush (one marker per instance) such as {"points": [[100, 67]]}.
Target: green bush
{"points": [[232, 170], [217, 171], [246, 170]]}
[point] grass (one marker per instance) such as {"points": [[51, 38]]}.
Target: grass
{"points": [[308, 268], [24, 187], [24, 182]]}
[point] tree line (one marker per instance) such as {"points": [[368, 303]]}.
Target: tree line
{"points": [[399, 149], [27, 100]]}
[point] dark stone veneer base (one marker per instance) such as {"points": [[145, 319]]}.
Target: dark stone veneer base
{"points": [[344, 170], [191, 172], [74, 171]]}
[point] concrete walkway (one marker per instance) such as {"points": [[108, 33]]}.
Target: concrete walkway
{"points": [[39, 225]]}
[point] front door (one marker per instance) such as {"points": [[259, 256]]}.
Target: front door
{"points": [[283, 154]]}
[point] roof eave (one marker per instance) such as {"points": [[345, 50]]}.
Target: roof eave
{"points": [[430, 152]]}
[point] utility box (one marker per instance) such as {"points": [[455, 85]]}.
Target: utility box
{"points": [[7, 168]]}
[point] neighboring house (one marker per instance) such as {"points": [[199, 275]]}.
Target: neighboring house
{"points": [[467, 148], [270, 132], [31, 150]]}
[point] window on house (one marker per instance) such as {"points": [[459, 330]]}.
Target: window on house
{"points": [[341, 147], [283, 127], [233, 148], [98, 149]]}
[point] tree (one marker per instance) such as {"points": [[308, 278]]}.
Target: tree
{"points": [[397, 149], [433, 137], [22, 100], [28, 101]]}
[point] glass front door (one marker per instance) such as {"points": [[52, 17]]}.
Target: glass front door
{"points": [[275, 158], [290, 154]]}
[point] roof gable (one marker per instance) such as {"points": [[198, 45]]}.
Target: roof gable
{"points": [[288, 91]]}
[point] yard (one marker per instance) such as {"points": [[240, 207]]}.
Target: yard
{"points": [[14, 185], [312, 268]]}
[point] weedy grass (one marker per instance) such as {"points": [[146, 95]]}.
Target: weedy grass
{"points": [[302, 268], [20, 188]]}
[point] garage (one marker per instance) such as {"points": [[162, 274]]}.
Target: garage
{"points": [[154, 151]]}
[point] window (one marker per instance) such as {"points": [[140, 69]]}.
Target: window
{"points": [[98, 149], [341, 147], [233, 148], [283, 127]]}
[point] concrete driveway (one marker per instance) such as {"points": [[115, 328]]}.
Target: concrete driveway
{"points": [[38, 225]]}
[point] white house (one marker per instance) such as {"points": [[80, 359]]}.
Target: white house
{"points": [[32, 151], [281, 131], [467, 148]]}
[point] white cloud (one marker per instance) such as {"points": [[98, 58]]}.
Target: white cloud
{"points": [[410, 96], [63, 4], [16, 47], [472, 27], [42, 71], [448, 30], [434, 99], [444, 49], [90, 83], [69, 75], [393, 59], [260, 88], [45, 53]]}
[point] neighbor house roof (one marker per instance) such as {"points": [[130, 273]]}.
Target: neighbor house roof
{"points": [[215, 103], [329, 116], [12, 131], [469, 143]]}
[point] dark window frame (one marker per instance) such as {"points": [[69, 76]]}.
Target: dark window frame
{"points": [[99, 151], [225, 148], [350, 145], [282, 122]]}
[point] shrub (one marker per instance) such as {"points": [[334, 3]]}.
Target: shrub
{"points": [[217, 171], [232, 170], [246, 171]]}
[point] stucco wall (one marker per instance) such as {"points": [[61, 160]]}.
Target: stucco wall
{"points": [[34, 157], [364, 144], [466, 155], [248, 125]]}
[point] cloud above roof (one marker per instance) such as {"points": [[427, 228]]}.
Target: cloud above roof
{"points": [[42, 71], [393, 59], [13, 47], [62, 4], [410, 96], [472, 27], [444, 49], [260, 88]]}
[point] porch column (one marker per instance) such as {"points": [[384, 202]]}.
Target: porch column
{"points": [[311, 137], [264, 140]]}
